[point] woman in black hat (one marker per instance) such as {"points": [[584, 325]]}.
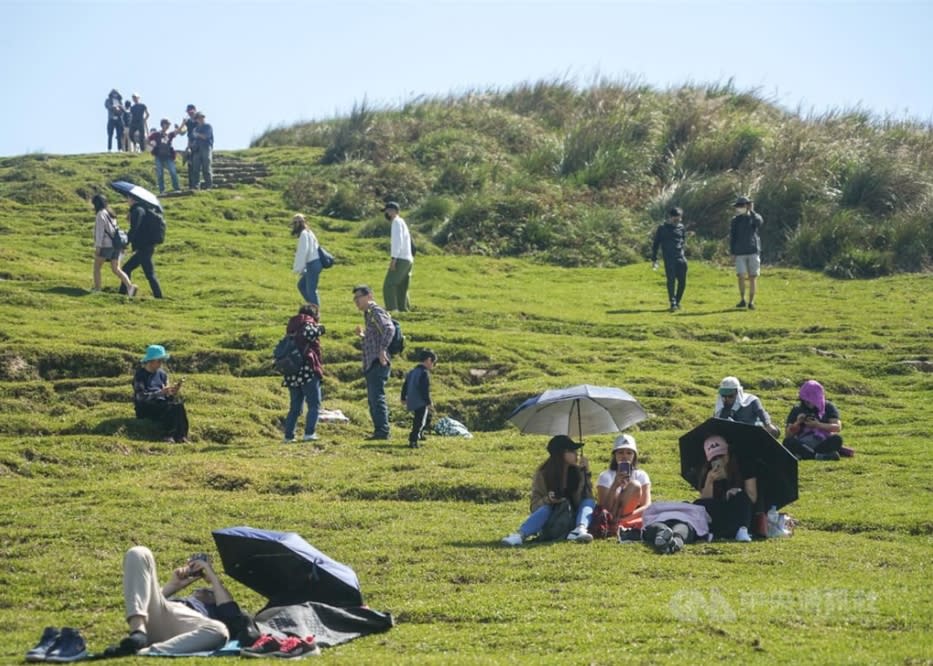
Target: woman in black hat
{"points": [[565, 475]]}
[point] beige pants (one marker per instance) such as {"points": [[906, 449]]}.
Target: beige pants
{"points": [[172, 627]]}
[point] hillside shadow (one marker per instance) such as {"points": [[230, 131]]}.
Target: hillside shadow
{"points": [[497, 545], [706, 313], [67, 291], [131, 428], [641, 311]]}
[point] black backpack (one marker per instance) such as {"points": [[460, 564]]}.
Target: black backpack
{"points": [[397, 345], [154, 223], [287, 358]]}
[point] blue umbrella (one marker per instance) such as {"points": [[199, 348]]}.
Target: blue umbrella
{"points": [[577, 411], [285, 568], [139, 193]]}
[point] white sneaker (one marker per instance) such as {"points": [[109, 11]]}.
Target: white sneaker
{"points": [[580, 535], [288, 440], [514, 539], [742, 535], [311, 437], [131, 292]]}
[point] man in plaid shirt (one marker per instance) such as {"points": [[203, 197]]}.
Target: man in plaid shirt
{"points": [[376, 335]]}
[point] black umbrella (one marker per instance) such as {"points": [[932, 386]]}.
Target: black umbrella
{"points": [[285, 568], [775, 466]]}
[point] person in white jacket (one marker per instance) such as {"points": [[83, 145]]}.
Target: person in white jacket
{"points": [[307, 260], [105, 228], [398, 277]]}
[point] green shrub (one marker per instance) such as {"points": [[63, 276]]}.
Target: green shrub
{"points": [[860, 263], [435, 209], [306, 192], [349, 203], [880, 186]]}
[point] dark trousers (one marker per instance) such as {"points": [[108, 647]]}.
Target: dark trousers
{"points": [[676, 272], [419, 419], [681, 529], [728, 515], [114, 129], [172, 415], [142, 256], [807, 449]]}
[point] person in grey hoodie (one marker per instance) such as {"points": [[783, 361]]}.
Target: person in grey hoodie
{"points": [[416, 394]]}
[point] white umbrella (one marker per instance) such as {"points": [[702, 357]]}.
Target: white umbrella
{"points": [[577, 411], [137, 192]]}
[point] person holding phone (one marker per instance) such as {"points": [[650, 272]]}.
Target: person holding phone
{"points": [[623, 491], [154, 398], [728, 490], [813, 426], [565, 474]]}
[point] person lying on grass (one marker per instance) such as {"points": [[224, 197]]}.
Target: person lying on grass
{"points": [[670, 525], [160, 624], [154, 398], [623, 491], [728, 490], [813, 426], [564, 475]]}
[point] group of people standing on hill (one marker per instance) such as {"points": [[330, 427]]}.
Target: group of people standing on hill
{"points": [[128, 123], [563, 505], [744, 246]]}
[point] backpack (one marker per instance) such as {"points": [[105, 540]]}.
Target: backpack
{"points": [[287, 358], [118, 239], [397, 345], [559, 523], [154, 222]]}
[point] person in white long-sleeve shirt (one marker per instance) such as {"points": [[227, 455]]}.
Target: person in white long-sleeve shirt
{"points": [[307, 260], [105, 228], [398, 277]]}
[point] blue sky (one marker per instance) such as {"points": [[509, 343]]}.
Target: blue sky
{"points": [[250, 65]]}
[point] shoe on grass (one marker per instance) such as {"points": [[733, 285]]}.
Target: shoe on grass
{"points": [[741, 304], [68, 647], [514, 539], [580, 535], [310, 438], [846, 452], [264, 646], [751, 306], [743, 535], [132, 291], [40, 651], [296, 648], [832, 455]]}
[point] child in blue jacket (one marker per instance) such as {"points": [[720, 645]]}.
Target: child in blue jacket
{"points": [[416, 394]]}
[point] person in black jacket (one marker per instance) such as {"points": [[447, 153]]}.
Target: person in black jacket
{"points": [[745, 247], [670, 237], [142, 236], [416, 394]]}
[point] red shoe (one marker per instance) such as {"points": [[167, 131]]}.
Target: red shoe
{"points": [[264, 646], [296, 648]]}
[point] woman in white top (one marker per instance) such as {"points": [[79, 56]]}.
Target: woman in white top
{"points": [[105, 228], [623, 491], [307, 260]]}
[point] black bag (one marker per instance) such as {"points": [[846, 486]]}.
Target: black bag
{"points": [[287, 358], [118, 239], [326, 258], [397, 345], [559, 523], [154, 223]]}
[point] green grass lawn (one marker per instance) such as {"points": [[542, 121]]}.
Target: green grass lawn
{"points": [[82, 481]]}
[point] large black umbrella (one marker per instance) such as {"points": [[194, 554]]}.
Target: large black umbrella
{"points": [[285, 568], [775, 466]]}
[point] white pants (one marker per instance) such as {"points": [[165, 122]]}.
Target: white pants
{"points": [[172, 627]]}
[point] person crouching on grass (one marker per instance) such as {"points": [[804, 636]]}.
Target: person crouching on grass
{"points": [[156, 399], [623, 492], [564, 475], [416, 395]]}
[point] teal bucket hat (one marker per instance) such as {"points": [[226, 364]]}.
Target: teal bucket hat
{"points": [[154, 353]]}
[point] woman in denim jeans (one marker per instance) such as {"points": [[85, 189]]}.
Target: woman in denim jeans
{"points": [[305, 385], [564, 475], [307, 260]]}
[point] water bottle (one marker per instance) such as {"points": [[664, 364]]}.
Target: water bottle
{"points": [[773, 521]]}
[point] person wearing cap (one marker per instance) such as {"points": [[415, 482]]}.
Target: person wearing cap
{"points": [[186, 126], [735, 404], [161, 142], [376, 337], [813, 426], [564, 475], [623, 491], [745, 247], [398, 277], [114, 106], [728, 490], [156, 399], [139, 128], [202, 153], [670, 237]]}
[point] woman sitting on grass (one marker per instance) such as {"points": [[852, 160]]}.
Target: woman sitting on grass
{"points": [[728, 490], [623, 491], [564, 475], [813, 426], [154, 398]]}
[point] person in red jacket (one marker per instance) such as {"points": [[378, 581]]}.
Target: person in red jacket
{"points": [[305, 385]]}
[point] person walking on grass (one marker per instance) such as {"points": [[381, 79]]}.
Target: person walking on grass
{"points": [[376, 336], [161, 142], [398, 277], [670, 237], [144, 236], [105, 230], [305, 385], [745, 247], [154, 398], [565, 475], [416, 395], [307, 261]]}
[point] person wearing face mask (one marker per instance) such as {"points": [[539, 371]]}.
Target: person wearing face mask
{"points": [[735, 404], [398, 277], [745, 247]]}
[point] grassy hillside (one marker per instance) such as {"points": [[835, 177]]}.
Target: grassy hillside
{"points": [[580, 176], [82, 481]]}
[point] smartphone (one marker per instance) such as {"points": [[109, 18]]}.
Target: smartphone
{"points": [[203, 557], [624, 469], [716, 464]]}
